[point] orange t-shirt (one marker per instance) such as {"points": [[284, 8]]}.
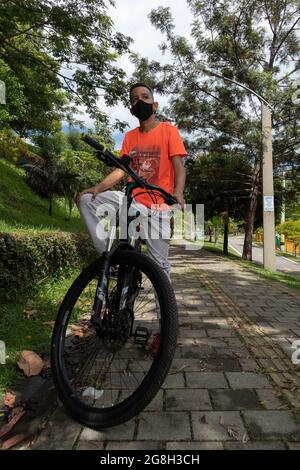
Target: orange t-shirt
{"points": [[151, 154]]}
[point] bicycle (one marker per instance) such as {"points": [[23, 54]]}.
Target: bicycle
{"points": [[103, 368]]}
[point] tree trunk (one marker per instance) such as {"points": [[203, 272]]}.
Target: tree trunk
{"points": [[210, 234], [226, 231], [216, 235], [247, 249]]}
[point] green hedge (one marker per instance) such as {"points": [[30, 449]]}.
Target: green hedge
{"points": [[26, 259]]}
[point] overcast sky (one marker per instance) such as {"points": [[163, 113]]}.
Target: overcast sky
{"points": [[130, 17]]}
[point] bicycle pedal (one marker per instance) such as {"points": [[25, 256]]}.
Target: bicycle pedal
{"points": [[141, 335]]}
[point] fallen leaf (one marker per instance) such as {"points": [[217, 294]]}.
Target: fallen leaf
{"points": [[29, 338], [232, 432], [49, 323], [203, 419], [222, 420], [78, 331], [15, 417], [30, 363], [30, 314], [245, 438], [13, 441], [9, 399]]}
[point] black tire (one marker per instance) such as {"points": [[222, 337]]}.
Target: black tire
{"points": [[121, 412]]}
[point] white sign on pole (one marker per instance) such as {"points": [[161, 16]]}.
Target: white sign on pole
{"points": [[268, 204]]}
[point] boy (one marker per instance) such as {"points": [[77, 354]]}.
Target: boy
{"points": [[156, 149]]}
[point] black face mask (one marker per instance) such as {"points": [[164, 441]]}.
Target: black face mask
{"points": [[142, 110]]}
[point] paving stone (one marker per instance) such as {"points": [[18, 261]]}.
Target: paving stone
{"points": [[222, 364], [218, 426], [221, 333], [242, 380], [269, 400], [184, 365], [206, 380], [123, 432], [187, 399], [90, 445], [248, 365], [194, 446], [192, 333], [174, 381], [210, 342], [293, 445], [157, 403], [235, 400], [60, 433], [134, 445], [271, 425], [255, 445], [195, 352], [159, 426]]}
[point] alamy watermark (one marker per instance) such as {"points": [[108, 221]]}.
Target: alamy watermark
{"points": [[2, 92], [186, 225], [296, 353], [2, 352]]}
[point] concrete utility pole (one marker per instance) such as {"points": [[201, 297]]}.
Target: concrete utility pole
{"points": [[268, 190], [282, 218], [268, 185]]}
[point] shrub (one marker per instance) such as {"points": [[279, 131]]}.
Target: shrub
{"points": [[26, 259], [291, 229]]}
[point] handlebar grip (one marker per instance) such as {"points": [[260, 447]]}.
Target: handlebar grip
{"points": [[170, 200], [126, 159], [93, 143]]}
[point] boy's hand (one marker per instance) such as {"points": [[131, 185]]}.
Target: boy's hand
{"points": [[94, 190], [179, 196]]}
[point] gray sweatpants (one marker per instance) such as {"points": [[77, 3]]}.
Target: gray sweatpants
{"points": [[154, 224]]}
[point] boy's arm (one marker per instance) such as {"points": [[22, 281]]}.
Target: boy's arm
{"points": [[179, 179]]}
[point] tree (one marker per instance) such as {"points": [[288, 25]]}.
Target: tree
{"points": [[51, 45], [222, 182], [291, 230], [254, 42]]}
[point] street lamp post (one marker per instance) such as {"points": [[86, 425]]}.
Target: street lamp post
{"points": [[268, 185]]}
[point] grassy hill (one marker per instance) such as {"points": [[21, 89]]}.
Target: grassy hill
{"points": [[21, 208]]}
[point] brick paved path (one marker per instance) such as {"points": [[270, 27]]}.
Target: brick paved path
{"points": [[232, 385]]}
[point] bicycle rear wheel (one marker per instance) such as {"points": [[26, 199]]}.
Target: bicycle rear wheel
{"points": [[106, 379]]}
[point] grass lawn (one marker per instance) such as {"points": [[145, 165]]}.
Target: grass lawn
{"points": [[255, 267], [21, 208], [22, 324]]}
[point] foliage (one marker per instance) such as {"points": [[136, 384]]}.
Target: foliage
{"points": [[58, 50], [22, 209], [291, 229], [25, 258]]}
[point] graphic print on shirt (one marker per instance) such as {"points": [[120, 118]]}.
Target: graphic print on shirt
{"points": [[145, 162]]}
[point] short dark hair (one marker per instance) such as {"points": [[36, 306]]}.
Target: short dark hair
{"points": [[136, 85]]}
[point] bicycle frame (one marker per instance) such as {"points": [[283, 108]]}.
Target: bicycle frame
{"points": [[124, 279]]}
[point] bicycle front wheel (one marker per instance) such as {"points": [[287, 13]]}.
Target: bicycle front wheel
{"points": [[106, 379]]}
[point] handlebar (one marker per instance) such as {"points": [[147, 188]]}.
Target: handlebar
{"points": [[123, 163]]}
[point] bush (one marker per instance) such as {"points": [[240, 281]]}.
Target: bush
{"points": [[291, 229], [26, 259]]}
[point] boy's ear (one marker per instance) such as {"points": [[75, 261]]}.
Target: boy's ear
{"points": [[155, 106]]}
